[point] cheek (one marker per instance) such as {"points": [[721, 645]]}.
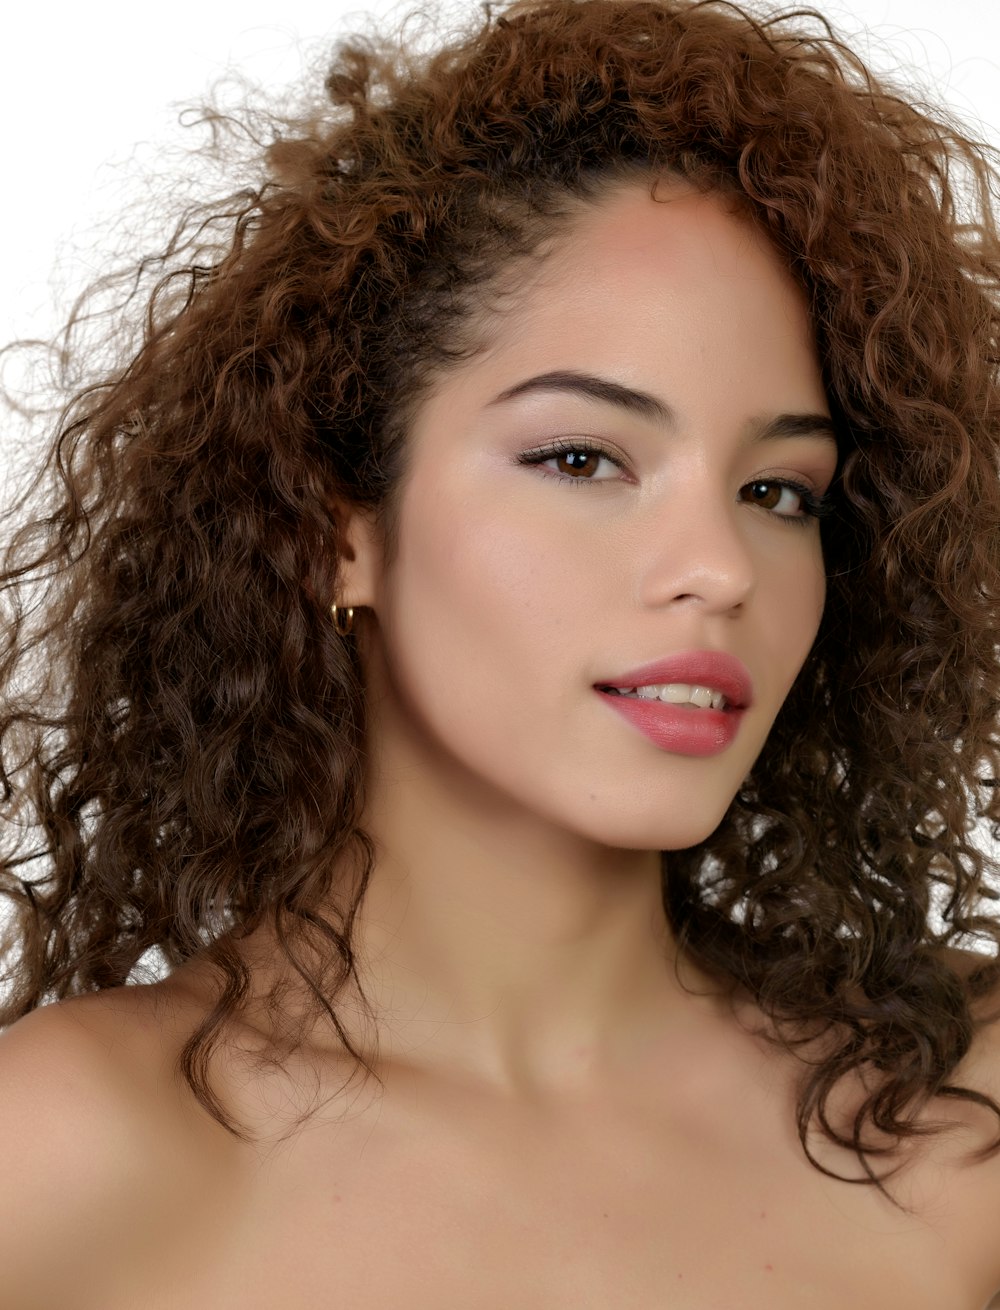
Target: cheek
{"points": [[471, 571], [469, 607], [797, 594], [492, 561]]}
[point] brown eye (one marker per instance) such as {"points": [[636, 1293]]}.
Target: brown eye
{"points": [[785, 499], [765, 494], [577, 462]]}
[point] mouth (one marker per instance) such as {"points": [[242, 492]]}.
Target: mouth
{"points": [[674, 693], [703, 680], [679, 718]]}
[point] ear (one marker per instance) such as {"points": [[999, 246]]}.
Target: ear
{"points": [[361, 555]]}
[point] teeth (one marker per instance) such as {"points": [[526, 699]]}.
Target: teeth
{"points": [[676, 693]]}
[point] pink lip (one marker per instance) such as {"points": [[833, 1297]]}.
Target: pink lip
{"points": [[699, 668], [678, 729]]}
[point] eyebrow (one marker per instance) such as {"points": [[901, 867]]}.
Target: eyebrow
{"points": [[648, 406]]}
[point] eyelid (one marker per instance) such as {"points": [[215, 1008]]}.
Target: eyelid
{"points": [[816, 490], [581, 445], [815, 505]]}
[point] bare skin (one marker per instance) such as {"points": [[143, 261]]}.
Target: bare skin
{"points": [[683, 1186], [566, 1122]]}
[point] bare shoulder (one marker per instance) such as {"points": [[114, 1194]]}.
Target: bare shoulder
{"points": [[977, 1185], [97, 1141], [980, 1069], [114, 1050]]}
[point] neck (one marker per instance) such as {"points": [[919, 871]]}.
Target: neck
{"points": [[498, 946]]}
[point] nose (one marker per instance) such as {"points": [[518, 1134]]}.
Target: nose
{"points": [[698, 553]]}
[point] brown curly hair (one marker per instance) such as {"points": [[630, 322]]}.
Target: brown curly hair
{"points": [[182, 734]]}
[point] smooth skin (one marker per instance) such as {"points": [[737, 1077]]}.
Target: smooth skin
{"points": [[567, 1122]]}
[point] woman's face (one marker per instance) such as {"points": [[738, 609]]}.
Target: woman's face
{"points": [[520, 586]]}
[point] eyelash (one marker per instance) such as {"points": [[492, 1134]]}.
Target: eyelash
{"points": [[813, 506]]}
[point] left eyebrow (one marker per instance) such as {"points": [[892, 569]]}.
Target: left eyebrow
{"points": [[648, 406], [795, 425]]}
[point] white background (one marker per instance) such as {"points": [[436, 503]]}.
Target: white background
{"points": [[90, 95]]}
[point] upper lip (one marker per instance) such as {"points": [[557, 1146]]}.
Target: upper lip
{"points": [[698, 668]]}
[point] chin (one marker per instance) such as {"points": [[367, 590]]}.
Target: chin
{"points": [[659, 832]]}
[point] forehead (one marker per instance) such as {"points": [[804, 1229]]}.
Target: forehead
{"points": [[677, 246], [643, 214], [673, 293]]}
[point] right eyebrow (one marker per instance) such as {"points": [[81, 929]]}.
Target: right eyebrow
{"points": [[594, 388]]}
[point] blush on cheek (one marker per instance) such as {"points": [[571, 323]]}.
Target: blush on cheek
{"points": [[459, 600]]}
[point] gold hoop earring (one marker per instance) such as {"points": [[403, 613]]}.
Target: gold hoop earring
{"points": [[344, 629]]}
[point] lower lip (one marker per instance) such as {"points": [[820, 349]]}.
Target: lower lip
{"points": [[680, 729]]}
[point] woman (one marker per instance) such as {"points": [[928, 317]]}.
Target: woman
{"points": [[518, 640]]}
